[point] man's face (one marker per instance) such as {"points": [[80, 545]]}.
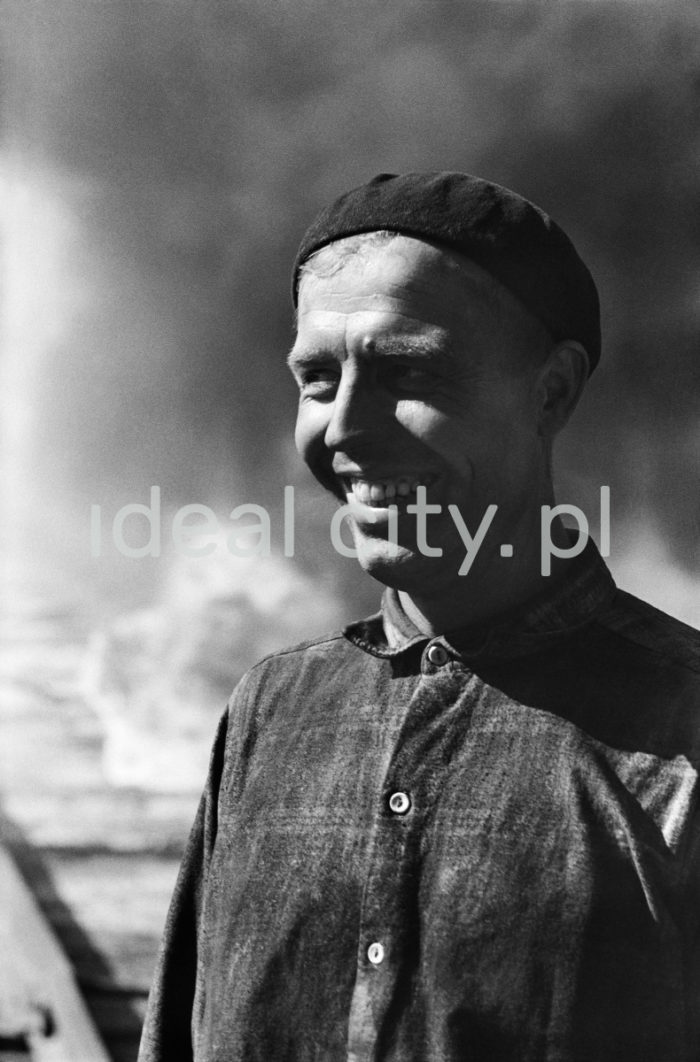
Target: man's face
{"points": [[408, 377]]}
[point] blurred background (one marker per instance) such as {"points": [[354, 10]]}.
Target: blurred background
{"points": [[160, 160]]}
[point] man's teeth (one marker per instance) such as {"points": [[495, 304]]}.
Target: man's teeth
{"points": [[371, 493]]}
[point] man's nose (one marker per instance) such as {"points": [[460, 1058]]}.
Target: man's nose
{"points": [[355, 411]]}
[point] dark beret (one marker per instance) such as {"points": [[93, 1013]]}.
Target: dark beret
{"points": [[511, 238]]}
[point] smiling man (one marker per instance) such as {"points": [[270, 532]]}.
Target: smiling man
{"points": [[464, 829], [417, 370]]}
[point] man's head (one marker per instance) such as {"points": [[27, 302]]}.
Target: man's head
{"points": [[417, 366], [509, 237]]}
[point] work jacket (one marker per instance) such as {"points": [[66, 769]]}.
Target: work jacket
{"points": [[479, 847]]}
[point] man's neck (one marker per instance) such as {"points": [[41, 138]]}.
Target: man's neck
{"points": [[494, 585]]}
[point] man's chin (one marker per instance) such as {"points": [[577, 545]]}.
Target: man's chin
{"points": [[399, 567]]}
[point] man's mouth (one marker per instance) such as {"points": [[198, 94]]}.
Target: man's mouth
{"points": [[381, 492]]}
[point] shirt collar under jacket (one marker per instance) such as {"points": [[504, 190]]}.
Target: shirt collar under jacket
{"points": [[567, 605]]}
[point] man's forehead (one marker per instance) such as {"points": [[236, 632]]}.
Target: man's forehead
{"points": [[380, 250], [370, 334], [406, 279], [411, 298]]}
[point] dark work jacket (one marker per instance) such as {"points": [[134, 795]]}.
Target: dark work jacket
{"points": [[533, 889]]}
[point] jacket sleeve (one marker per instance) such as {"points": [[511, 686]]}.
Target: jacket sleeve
{"points": [[166, 1035]]}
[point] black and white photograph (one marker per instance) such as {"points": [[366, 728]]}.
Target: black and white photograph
{"points": [[350, 623]]}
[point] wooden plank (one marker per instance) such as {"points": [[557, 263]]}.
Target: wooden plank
{"points": [[38, 994]]}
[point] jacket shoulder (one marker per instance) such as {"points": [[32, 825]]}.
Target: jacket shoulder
{"points": [[648, 628], [322, 645], [297, 669]]}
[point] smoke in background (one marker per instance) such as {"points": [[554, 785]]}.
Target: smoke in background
{"points": [[160, 162]]}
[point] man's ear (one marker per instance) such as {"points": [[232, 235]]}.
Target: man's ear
{"points": [[561, 381]]}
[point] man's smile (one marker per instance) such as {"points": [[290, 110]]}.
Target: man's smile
{"points": [[378, 492]]}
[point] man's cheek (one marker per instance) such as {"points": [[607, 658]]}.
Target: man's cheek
{"points": [[422, 420], [309, 433], [318, 460]]}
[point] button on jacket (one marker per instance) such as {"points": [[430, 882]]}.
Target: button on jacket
{"points": [[482, 847]]}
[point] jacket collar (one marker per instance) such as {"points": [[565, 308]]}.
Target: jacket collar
{"points": [[570, 603]]}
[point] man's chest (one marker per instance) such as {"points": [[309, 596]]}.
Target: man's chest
{"points": [[493, 852]]}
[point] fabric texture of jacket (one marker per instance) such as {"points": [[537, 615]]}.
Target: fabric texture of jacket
{"points": [[482, 847]]}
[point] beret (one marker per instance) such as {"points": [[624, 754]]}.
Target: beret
{"points": [[505, 234]]}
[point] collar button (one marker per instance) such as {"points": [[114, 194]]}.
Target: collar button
{"points": [[437, 654]]}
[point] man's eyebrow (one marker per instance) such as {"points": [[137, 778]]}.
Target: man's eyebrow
{"points": [[398, 346], [405, 346], [305, 356]]}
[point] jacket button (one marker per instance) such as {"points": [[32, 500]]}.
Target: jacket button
{"points": [[399, 803], [375, 953], [438, 655]]}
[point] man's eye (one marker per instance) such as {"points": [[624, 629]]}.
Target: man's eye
{"points": [[411, 378], [316, 383]]}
